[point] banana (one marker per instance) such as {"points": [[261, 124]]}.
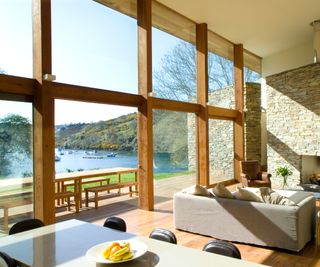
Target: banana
{"points": [[117, 252], [120, 252], [126, 244], [127, 256], [114, 250], [115, 258], [107, 251]]}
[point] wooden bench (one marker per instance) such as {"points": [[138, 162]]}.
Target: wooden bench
{"points": [[99, 180], [63, 192], [67, 195], [98, 189], [12, 200]]}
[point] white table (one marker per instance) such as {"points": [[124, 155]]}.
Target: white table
{"points": [[65, 244]]}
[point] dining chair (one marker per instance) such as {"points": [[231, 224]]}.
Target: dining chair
{"points": [[223, 248], [25, 225], [115, 223], [6, 260], [163, 235]]}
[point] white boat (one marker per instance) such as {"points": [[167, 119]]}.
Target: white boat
{"points": [[57, 158]]}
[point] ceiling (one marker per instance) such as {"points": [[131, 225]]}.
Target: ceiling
{"points": [[264, 27]]}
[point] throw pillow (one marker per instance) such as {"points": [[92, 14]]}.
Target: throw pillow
{"points": [[221, 191], [272, 197], [198, 190], [243, 194]]}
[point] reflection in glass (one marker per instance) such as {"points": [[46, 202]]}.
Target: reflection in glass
{"points": [[174, 151], [16, 162], [174, 72]]}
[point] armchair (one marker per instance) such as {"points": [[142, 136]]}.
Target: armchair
{"points": [[251, 175]]}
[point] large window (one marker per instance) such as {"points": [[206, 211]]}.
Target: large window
{"points": [[16, 37], [94, 45], [16, 162], [221, 150], [174, 151], [173, 55]]}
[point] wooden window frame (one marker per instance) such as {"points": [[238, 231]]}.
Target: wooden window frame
{"points": [[44, 94]]}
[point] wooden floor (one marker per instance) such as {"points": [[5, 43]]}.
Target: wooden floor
{"points": [[142, 222]]}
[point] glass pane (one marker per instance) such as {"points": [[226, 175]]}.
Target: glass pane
{"points": [[221, 150], [95, 137], [173, 55], [16, 162], [16, 37], [174, 151], [94, 45], [221, 81]]}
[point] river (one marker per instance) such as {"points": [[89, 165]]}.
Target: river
{"points": [[74, 160]]}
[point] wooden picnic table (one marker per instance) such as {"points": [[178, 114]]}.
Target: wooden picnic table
{"points": [[79, 178]]}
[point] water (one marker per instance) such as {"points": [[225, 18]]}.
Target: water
{"points": [[75, 160]]}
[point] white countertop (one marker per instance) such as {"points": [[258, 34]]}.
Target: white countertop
{"points": [[66, 243]]}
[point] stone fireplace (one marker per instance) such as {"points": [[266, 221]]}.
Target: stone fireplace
{"points": [[293, 122]]}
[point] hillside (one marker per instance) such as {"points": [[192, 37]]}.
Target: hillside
{"points": [[115, 134], [170, 134]]}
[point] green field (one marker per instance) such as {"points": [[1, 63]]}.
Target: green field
{"points": [[114, 179]]}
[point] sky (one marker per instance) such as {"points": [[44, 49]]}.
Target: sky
{"points": [[92, 45]]}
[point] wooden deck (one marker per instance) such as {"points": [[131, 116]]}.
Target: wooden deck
{"points": [[142, 222]]}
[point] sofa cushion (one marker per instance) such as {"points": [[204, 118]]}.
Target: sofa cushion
{"points": [[198, 190], [243, 194], [272, 197], [221, 191]]}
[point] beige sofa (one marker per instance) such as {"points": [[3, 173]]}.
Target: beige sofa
{"points": [[287, 227]]}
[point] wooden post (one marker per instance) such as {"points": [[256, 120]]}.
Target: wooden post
{"points": [[43, 114], [239, 121], [202, 96], [145, 138]]}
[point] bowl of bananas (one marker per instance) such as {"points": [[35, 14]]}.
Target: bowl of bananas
{"points": [[116, 251]]}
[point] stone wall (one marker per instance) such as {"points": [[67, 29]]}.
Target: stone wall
{"points": [[293, 122], [252, 124], [221, 151]]}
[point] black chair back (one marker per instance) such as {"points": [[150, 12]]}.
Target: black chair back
{"points": [[6, 260], [115, 223], [223, 248], [163, 235], [25, 225]]}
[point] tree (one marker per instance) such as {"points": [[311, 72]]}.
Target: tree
{"points": [[15, 142], [176, 78]]}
